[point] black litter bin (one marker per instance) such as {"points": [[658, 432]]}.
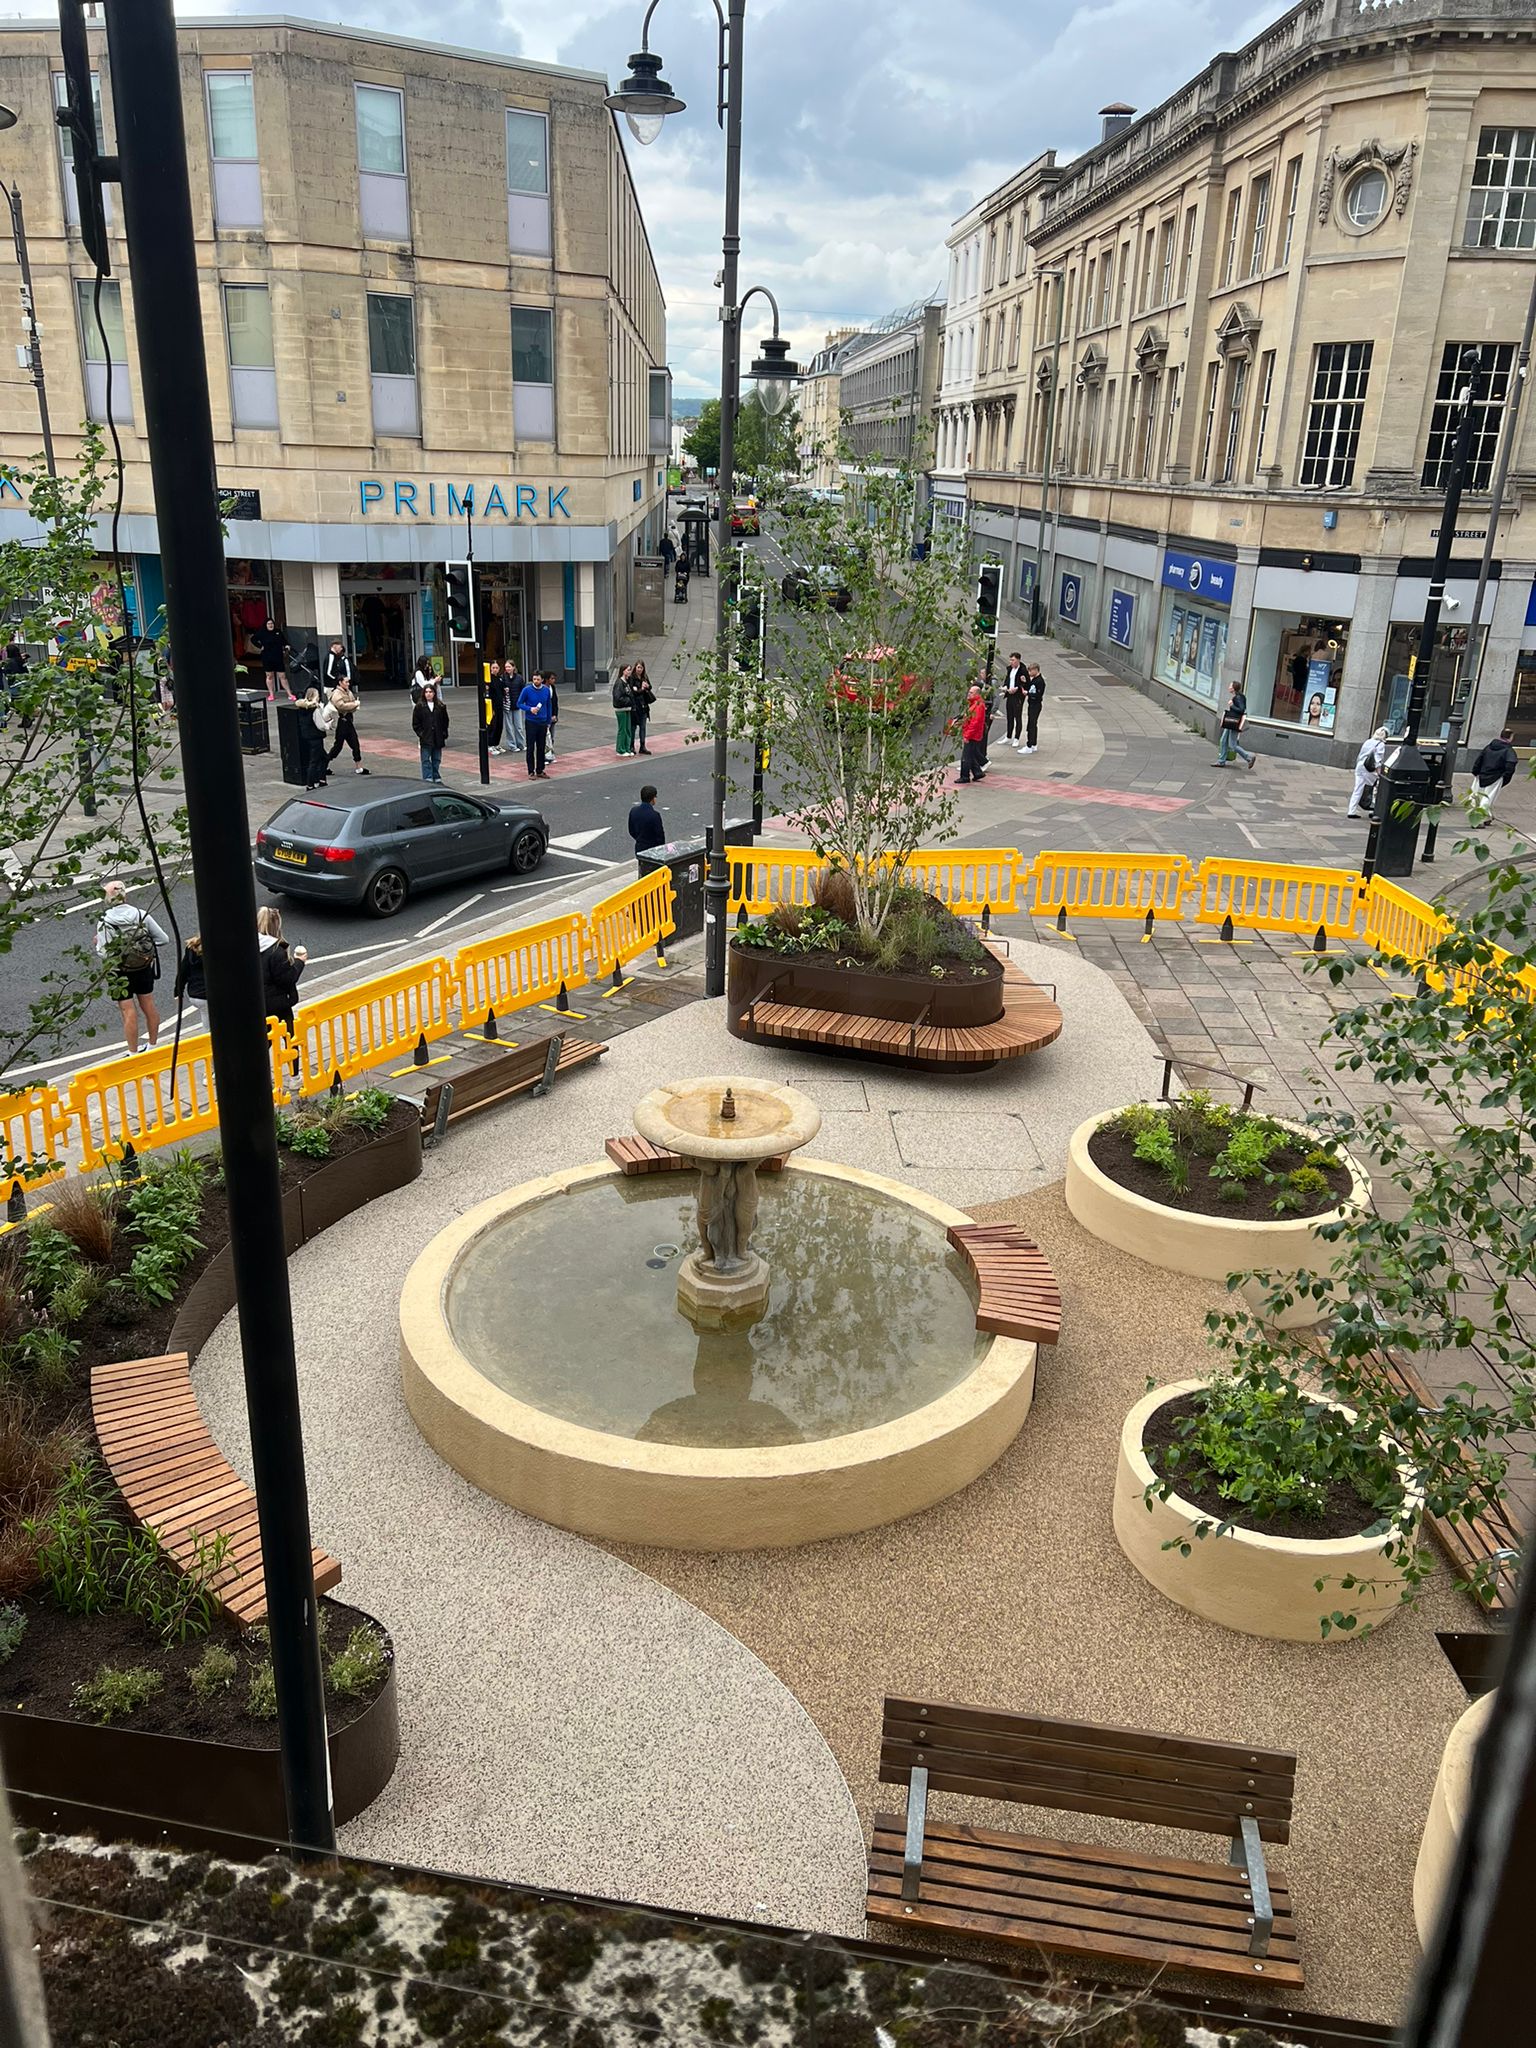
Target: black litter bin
{"points": [[251, 716], [295, 723], [684, 859], [1414, 777]]}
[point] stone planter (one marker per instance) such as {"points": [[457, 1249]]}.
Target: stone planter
{"points": [[1262, 1585], [225, 1796], [1205, 1247], [1447, 1812]]}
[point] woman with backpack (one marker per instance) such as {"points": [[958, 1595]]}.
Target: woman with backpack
{"points": [[429, 722], [317, 728], [129, 940], [641, 698], [621, 710]]}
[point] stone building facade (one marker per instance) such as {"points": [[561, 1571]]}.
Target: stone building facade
{"points": [[890, 376], [428, 295], [1240, 321], [818, 404]]}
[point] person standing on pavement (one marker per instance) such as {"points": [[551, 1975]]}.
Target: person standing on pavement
{"points": [[1494, 769], [1233, 718], [1015, 682], [514, 739], [271, 644], [621, 707], [645, 826], [344, 704], [129, 940], [423, 674], [1034, 697], [429, 722], [191, 975], [1367, 768], [641, 698], [534, 702], [554, 712], [280, 969], [317, 727], [973, 736], [495, 704]]}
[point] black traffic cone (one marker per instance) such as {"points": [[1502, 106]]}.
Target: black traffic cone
{"points": [[1149, 926], [1061, 918], [1227, 933], [986, 919], [1319, 941], [562, 1001], [420, 1056], [128, 1167], [741, 917], [337, 1090], [618, 975], [16, 1207], [490, 1028], [661, 957]]}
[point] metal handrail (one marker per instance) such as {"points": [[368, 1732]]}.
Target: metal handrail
{"points": [[1205, 1067]]}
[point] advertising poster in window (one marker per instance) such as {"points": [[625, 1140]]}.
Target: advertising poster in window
{"points": [[1175, 641], [1209, 656], [1190, 657], [1321, 695], [1071, 597], [1122, 617]]}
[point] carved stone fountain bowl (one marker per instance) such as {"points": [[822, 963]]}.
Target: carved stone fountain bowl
{"points": [[684, 1116]]}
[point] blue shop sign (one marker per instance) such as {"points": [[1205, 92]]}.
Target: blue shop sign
{"points": [[1071, 597], [1530, 607], [1122, 617], [1202, 576]]}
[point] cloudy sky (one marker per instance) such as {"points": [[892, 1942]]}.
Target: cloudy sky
{"points": [[870, 125]]}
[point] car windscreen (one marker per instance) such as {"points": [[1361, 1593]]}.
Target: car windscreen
{"points": [[306, 819]]}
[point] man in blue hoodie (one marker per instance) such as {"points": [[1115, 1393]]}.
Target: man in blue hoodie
{"points": [[536, 701]]}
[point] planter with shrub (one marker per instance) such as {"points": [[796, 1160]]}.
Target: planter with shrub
{"points": [[1254, 1503], [1197, 1187]]}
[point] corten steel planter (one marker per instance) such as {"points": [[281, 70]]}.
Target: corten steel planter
{"points": [[72, 1775], [857, 992], [1261, 1585], [1208, 1247]]}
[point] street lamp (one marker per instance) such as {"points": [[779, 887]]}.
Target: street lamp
{"points": [[1040, 608], [773, 372], [645, 99]]}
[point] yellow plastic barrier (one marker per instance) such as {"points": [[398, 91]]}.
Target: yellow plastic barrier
{"points": [[377, 1020], [1273, 896], [762, 876], [969, 879], [34, 1131], [514, 969], [1126, 885], [132, 1101], [632, 921], [1401, 924]]}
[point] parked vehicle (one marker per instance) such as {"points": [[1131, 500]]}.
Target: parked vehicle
{"points": [[375, 848], [801, 583], [744, 518], [864, 679]]}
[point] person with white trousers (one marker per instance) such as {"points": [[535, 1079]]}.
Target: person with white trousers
{"points": [[1367, 767]]}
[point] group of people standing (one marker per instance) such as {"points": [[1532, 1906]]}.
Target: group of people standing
{"points": [[633, 697], [332, 720], [1023, 693]]}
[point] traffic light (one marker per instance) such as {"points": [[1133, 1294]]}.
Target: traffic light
{"points": [[460, 577], [749, 630], [989, 583]]}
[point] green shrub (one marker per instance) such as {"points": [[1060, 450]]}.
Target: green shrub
{"points": [[1248, 1150], [176, 1603], [1198, 1123], [1322, 1160], [118, 1690], [369, 1109], [261, 1695], [1304, 1190], [1155, 1147], [214, 1672], [75, 1294], [48, 1259], [360, 1664], [1135, 1118], [79, 1542], [48, 1356], [13, 1626]]}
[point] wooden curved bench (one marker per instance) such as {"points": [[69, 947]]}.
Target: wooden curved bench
{"points": [[1019, 1293], [177, 1482]]}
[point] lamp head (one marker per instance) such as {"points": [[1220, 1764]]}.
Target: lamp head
{"points": [[773, 373], [8, 117], [645, 99]]}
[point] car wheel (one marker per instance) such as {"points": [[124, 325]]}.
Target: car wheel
{"points": [[386, 893], [527, 850]]}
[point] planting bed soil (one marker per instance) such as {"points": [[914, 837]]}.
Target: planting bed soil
{"points": [[58, 1650], [1344, 1514], [1113, 1153]]}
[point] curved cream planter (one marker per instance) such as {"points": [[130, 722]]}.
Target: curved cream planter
{"points": [[1447, 1811], [1207, 1247], [1263, 1585], [677, 1496]]}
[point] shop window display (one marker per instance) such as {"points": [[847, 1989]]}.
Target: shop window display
{"points": [[1191, 647], [1294, 668], [1446, 671]]}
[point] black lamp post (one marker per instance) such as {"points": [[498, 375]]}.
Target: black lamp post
{"points": [[645, 100]]}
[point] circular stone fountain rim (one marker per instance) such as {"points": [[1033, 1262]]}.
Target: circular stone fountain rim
{"points": [[429, 1350], [651, 1119]]}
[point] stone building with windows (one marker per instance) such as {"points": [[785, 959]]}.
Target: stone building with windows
{"points": [[889, 378], [428, 299], [1237, 326], [818, 410]]}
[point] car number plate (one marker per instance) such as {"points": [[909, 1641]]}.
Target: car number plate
{"points": [[287, 853]]}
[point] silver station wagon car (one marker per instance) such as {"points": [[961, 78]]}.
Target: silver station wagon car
{"points": [[376, 847]]}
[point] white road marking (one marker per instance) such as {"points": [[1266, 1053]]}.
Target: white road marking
{"points": [[573, 842], [1248, 835], [356, 952], [469, 903]]}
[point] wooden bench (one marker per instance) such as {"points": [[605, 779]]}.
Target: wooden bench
{"points": [[638, 1155], [1482, 1536], [479, 1072], [1030, 1021], [177, 1482], [1019, 1293], [1228, 1919]]}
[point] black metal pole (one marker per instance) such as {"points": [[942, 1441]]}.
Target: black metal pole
{"points": [[162, 261], [717, 880], [482, 693], [1403, 776]]}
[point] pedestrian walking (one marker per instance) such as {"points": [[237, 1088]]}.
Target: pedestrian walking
{"points": [[429, 722], [973, 736], [1015, 683], [129, 940], [668, 552], [280, 969], [1233, 718], [421, 675], [344, 703], [641, 698], [1367, 768], [1034, 697], [514, 739], [1494, 769], [496, 705], [337, 672], [554, 712], [317, 730], [621, 703], [271, 643], [645, 825], [191, 975], [534, 702]]}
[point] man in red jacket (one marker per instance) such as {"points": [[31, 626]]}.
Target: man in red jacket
{"points": [[973, 732]]}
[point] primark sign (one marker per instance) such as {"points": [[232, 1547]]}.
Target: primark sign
{"points": [[400, 499]]}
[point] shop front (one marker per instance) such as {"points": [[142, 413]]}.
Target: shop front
{"points": [[1522, 697], [1295, 666], [1448, 669], [1193, 624]]}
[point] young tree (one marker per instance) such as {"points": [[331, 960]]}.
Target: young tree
{"points": [[82, 729], [870, 646], [763, 440], [702, 441]]}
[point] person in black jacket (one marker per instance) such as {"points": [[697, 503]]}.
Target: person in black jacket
{"points": [[645, 826], [622, 703], [641, 698], [280, 969], [272, 645], [1034, 697], [190, 977], [429, 722], [1494, 768]]}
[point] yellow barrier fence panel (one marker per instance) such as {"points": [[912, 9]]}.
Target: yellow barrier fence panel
{"points": [[762, 876], [35, 1129], [514, 969], [1401, 923], [372, 1022], [1276, 896], [632, 921], [1122, 885], [135, 1101], [969, 879]]}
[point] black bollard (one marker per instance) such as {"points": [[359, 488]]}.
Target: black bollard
{"points": [[421, 1056], [490, 1028]]}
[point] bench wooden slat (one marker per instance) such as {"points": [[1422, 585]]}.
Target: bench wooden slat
{"points": [[1019, 1293]]}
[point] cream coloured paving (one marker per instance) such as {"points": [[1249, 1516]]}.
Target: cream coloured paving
{"points": [[566, 1719]]}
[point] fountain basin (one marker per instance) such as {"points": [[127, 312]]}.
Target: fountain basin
{"points": [[802, 1477]]}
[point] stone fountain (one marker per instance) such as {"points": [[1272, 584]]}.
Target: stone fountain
{"points": [[726, 1128]]}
